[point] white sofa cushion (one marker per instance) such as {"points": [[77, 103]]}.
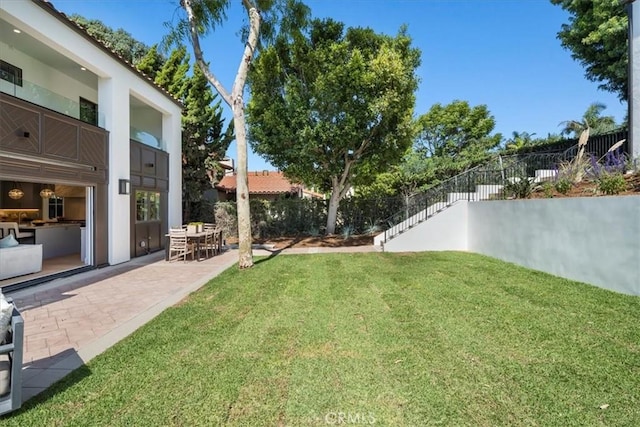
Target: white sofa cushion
{"points": [[19, 260], [5, 374], [6, 310]]}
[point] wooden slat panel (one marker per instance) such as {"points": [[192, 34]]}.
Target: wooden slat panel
{"points": [[61, 138], [93, 147], [148, 182], [135, 157], [15, 120], [162, 185], [18, 168]]}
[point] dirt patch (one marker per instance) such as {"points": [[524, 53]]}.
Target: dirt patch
{"points": [[588, 188], [332, 241]]}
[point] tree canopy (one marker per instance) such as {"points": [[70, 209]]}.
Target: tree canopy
{"points": [[456, 136], [597, 36], [334, 107]]}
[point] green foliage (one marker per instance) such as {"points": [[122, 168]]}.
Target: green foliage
{"points": [[593, 120], [173, 74], [334, 108], [520, 140], [563, 185], [611, 183], [119, 41], [547, 189], [152, 62], [519, 187], [411, 175], [204, 142], [456, 136], [597, 36], [292, 217]]}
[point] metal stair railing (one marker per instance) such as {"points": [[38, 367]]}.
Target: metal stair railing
{"points": [[482, 182]]}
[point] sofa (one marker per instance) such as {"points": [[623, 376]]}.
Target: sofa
{"points": [[19, 260], [11, 352]]}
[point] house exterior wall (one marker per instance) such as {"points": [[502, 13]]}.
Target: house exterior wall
{"points": [[117, 82]]}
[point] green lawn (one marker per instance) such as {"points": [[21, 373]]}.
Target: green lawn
{"points": [[392, 339]]}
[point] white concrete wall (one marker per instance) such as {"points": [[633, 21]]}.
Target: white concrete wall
{"points": [[445, 231], [116, 84], [594, 240]]}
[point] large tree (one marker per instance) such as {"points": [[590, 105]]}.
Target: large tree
{"points": [[597, 36], [456, 136], [333, 108], [263, 18]]}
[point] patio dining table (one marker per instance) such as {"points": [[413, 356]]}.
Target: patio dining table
{"points": [[194, 236]]}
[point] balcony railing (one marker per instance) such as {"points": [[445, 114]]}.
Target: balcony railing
{"points": [[147, 139], [38, 95], [45, 98]]}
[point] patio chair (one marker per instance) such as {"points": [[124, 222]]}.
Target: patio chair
{"points": [[208, 244], [179, 245], [213, 238]]}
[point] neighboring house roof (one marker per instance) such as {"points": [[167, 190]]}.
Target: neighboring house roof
{"points": [[264, 182], [49, 7]]}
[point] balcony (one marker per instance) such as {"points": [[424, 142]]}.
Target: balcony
{"points": [[45, 98]]}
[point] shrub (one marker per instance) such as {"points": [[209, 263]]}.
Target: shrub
{"points": [[611, 183], [563, 185], [518, 187], [547, 189]]}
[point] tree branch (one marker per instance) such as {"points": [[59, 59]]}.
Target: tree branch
{"points": [[249, 50], [197, 50]]}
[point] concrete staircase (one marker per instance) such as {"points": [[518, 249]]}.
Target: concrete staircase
{"points": [[482, 192]]}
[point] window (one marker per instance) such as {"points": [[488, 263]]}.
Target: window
{"points": [[55, 207], [147, 206], [88, 112], [10, 73]]}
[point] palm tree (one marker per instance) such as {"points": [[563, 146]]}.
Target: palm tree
{"points": [[519, 140], [592, 119]]}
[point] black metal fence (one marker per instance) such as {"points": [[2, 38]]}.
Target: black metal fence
{"points": [[597, 145]]}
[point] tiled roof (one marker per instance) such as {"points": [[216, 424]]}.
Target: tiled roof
{"points": [[263, 182]]}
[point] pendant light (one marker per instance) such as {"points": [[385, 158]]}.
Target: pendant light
{"points": [[15, 193], [46, 192]]}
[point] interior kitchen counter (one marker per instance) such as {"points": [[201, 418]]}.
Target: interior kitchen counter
{"points": [[57, 239], [47, 225]]}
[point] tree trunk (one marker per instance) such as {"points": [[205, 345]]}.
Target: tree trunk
{"points": [[242, 181], [242, 190], [236, 102], [332, 214]]}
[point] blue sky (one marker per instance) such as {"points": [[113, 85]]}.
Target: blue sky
{"points": [[502, 53]]}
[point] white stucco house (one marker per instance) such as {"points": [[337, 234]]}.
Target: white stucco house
{"points": [[101, 138]]}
